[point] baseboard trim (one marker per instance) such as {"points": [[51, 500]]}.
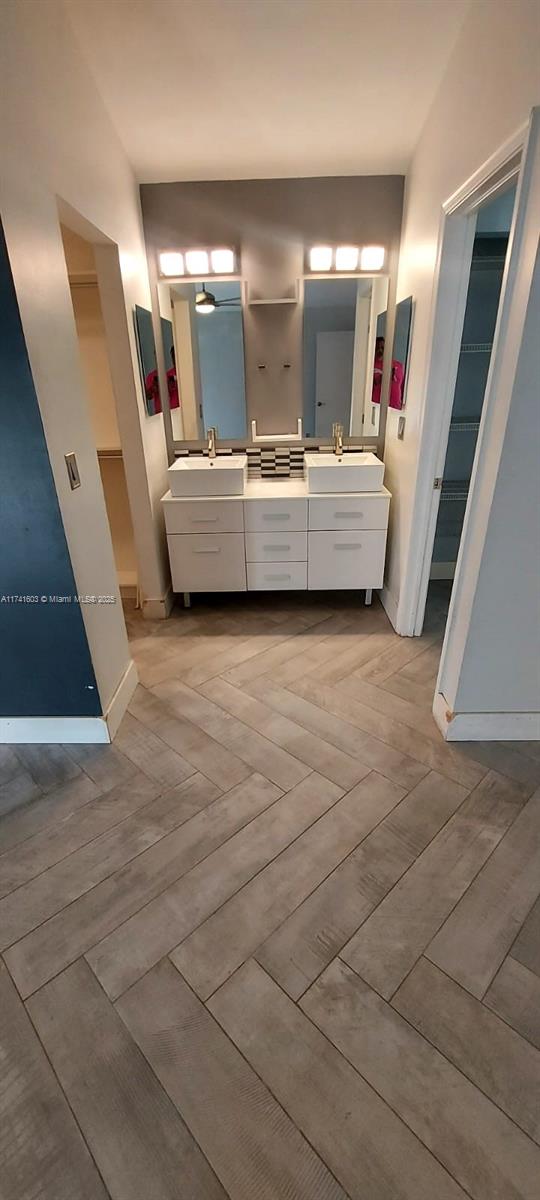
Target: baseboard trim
{"points": [[157, 608], [485, 726], [389, 604], [55, 730], [121, 699]]}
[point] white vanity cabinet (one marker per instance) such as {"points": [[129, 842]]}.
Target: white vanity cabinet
{"points": [[277, 537]]}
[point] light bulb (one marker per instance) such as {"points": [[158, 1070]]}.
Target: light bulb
{"points": [[222, 261], [320, 258], [197, 262], [171, 262], [346, 258], [371, 258]]}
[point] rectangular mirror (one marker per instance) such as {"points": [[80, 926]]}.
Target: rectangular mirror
{"points": [[205, 351], [343, 328]]}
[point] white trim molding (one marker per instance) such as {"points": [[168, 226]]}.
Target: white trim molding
{"points": [[57, 730], [53, 730], [485, 726], [157, 608], [390, 605]]}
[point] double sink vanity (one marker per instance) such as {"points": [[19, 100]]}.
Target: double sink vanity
{"points": [[327, 531]]}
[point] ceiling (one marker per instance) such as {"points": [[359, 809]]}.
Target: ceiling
{"points": [[234, 89]]}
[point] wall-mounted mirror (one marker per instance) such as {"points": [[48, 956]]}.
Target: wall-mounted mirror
{"points": [[342, 320], [400, 358], [206, 350], [148, 363]]}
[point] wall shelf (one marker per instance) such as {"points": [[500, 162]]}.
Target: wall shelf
{"points": [[464, 426], [455, 489], [476, 348]]}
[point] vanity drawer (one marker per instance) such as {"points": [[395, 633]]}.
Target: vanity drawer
{"points": [[204, 516], [346, 560], [276, 577], [207, 562], [276, 547], [349, 512], [272, 515]]}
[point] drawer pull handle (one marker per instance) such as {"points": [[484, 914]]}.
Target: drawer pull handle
{"points": [[276, 548], [276, 516], [210, 550], [348, 514], [347, 545], [276, 577], [203, 520]]}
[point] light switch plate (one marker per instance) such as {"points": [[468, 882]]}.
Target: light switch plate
{"points": [[73, 471], [401, 428]]}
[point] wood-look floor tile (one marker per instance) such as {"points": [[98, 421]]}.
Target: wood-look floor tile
{"points": [[396, 934], [46, 811], [435, 753], [400, 768], [515, 996], [54, 843], [137, 945], [208, 756], [106, 765], [233, 933], [316, 753], [139, 1142], [479, 933], [398, 655], [424, 667], [311, 937], [369, 1149], [9, 764], [253, 1146], [16, 793], [60, 885], [42, 1153], [496, 1059], [61, 939], [256, 750], [526, 947], [421, 694], [486, 1152], [273, 656], [150, 754], [48, 765], [353, 653]]}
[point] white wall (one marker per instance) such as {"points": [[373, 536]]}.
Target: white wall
{"points": [[487, 93], [57, 141]]}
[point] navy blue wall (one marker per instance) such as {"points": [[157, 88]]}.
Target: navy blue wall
{"points": [[45, 664]]}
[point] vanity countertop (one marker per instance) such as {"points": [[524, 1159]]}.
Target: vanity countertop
{"points": [[278, 488]]}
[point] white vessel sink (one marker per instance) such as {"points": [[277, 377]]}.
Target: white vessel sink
{"points": [[222, 476], [360, 472]]}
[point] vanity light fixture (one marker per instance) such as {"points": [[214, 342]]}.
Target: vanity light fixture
{"points": [[320, 258], [171, 262], [222, 261], [197, 262], [371, 258], [347, 258]]}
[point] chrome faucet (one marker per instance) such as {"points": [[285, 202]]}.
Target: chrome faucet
{"points": [[337, 434], [211, 434]]}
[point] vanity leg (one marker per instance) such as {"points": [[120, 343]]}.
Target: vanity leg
{"points": [[368, 595], [187, 600]]}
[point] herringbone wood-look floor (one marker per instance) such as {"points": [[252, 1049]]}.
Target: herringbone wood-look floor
{"points": [[278, 942]]}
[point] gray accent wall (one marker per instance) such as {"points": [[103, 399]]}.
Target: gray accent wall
{"points": [[45, 669], [271, 223]]}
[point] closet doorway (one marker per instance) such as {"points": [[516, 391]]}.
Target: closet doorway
{"points": [[489, 251], [83, 282]]}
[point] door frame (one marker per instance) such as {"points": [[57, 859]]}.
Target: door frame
{"points": [[452, 271]]}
